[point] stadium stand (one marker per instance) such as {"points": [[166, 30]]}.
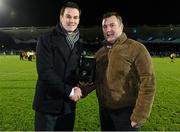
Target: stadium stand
{"points": [[157, 39]]}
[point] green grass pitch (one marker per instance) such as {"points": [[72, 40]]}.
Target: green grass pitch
{"points": [[17, 84]]}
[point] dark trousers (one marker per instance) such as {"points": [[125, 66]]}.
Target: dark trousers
{"points": [[54, 122], [116, 119]]}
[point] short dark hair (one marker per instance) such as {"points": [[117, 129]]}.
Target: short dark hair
{"points": [[69, 5], [109, 14]]}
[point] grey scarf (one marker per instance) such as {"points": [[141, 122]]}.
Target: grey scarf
{"points": [[72, 37]]}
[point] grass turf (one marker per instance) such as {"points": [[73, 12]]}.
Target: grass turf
{"points": [[17, 83]]}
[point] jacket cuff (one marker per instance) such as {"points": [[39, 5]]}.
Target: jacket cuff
{"points": [[140, 121]]}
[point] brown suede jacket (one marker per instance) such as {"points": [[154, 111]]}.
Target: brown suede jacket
{"points": [[125, 77]]}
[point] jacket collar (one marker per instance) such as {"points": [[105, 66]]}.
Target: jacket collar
{"points": [[65, 51], [122, 38], [59, 29]]}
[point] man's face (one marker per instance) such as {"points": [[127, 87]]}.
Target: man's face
{"points": [[70, 19], [112, 28]]}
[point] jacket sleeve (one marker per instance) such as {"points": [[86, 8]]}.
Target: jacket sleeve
{"points": [[86, 88], [144, 66], [45, 68]]}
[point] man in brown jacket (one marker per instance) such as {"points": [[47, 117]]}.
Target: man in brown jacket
{"points": [[125, 80]]}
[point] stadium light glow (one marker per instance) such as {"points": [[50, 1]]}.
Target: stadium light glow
{"points": [[2, 6], [8, 12]]}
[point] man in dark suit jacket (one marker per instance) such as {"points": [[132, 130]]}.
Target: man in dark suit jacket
{"points": [[58, 55]]}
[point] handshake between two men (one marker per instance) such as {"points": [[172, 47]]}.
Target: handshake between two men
{"points": [[76, 94], [79, 91], [86, 76]]}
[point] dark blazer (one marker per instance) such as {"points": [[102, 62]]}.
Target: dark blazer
{"points": [[56, 68]]}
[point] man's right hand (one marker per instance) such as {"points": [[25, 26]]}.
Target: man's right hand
{"points": [[77, 94]]}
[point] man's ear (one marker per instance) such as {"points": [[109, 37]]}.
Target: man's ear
{"points": [[122, 26], [60, 17]]}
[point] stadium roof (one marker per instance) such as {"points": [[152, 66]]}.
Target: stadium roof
{"points": [[145, 34]]}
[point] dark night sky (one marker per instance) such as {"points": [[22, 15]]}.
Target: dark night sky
{"points": [[45, 12]]}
